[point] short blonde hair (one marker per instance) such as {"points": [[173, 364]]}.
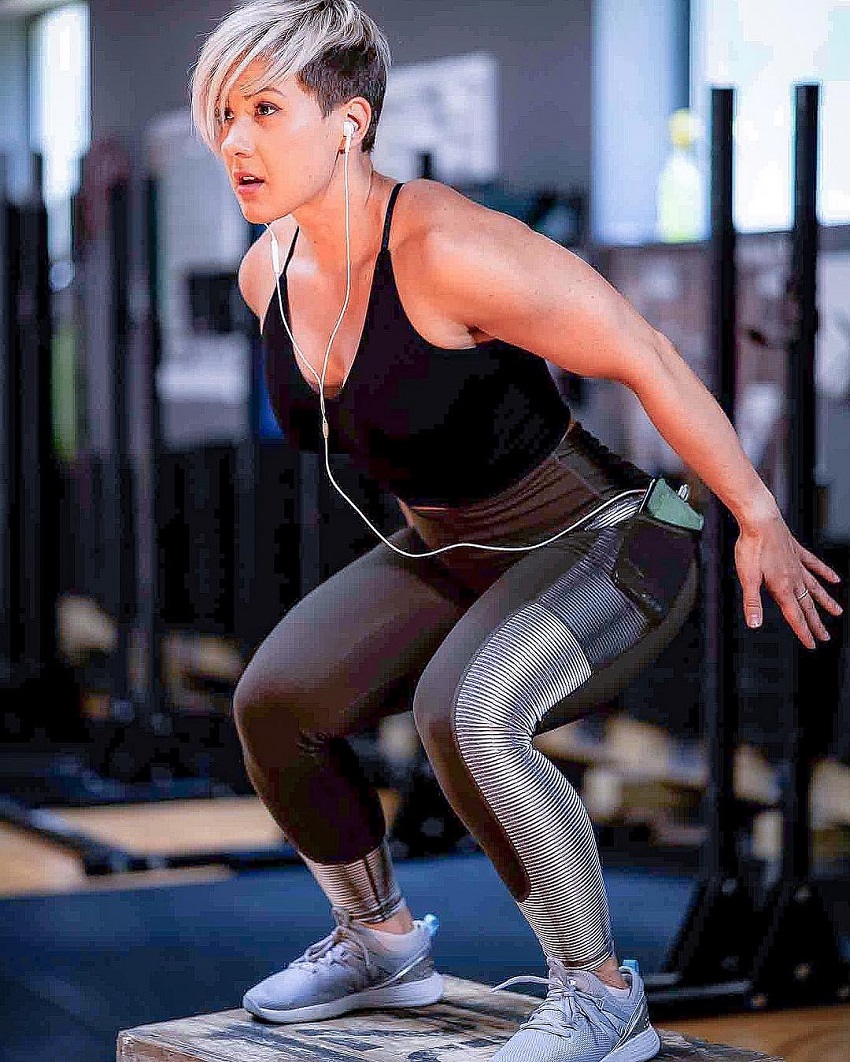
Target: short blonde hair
{"points": [[335, 49]]}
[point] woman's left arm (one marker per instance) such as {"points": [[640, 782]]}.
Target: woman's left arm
{"points": [[692, 421], [492, 272]]}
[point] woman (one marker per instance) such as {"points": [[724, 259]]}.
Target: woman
{"points": [[425, 321]]}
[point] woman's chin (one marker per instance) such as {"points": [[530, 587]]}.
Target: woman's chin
{"points": [[258, 206], [257, 215], [252, 215]]}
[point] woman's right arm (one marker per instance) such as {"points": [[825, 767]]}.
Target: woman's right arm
{"points": [[249, 275], [256, 273]]}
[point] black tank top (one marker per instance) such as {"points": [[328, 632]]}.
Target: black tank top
{"points": [[433, 426]]}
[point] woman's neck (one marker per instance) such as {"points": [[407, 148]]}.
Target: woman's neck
{"points": [[322, 223]]}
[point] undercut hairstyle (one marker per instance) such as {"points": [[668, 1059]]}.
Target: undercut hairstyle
{"points": [[333, 47]]}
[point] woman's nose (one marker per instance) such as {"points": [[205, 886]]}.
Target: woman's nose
{"points": [[236, 138]]}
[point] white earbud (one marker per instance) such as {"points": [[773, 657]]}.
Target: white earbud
{"points": [[349, 129], [275, 252]]}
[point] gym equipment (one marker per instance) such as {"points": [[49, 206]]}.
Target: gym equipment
{"points": [[718, 931], [150, 591], [36, 688], [118, 500], [798, 959], [470, 1021], [786, 953]]}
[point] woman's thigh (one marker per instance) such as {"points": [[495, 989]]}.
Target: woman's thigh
{"points": [[351, 651], [613, 598], [562, 630]]}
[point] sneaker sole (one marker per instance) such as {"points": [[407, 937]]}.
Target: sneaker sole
{"points": [[415, 994], [639, 1048]]}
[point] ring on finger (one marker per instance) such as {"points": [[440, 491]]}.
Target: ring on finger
{"points": [[805, 593]]}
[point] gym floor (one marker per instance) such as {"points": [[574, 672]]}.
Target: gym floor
{"points": [[82, 958]]}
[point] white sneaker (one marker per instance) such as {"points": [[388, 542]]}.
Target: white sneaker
{"points": [[581, 1021], [349, 970]]}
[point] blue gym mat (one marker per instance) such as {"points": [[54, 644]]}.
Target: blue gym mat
{"points": [[74, 969]]}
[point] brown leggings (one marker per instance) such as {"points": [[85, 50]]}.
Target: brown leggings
{"points": [[489, 649]]}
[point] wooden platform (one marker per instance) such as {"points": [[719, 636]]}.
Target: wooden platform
{"points": [[469, 1023]]}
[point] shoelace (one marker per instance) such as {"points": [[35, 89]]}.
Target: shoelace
{"points": [[323, 951], [564, 1003]]}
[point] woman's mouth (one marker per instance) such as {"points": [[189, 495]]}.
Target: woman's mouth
{"points": [[249, 187]]}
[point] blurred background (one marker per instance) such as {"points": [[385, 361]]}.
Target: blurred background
{"points": [[155, 524]]}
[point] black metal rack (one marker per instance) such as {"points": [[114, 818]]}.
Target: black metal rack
{"points": [[31, 676], [785, 952]]}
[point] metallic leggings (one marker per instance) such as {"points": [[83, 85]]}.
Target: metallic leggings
{"points": [[490, 649]]}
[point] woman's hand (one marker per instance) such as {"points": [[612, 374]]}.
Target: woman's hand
{"points": [[767, 550]]}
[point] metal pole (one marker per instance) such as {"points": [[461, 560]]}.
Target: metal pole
{"points": [[798, 961], [715, 941], [153, 456], [5, 424], [117, 505], [801, 517], [46, 471], [246, 494], [721, 711], [36, 567]]}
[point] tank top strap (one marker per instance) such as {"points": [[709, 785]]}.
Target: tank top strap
{"points": [[291, 249], [388, 220]]}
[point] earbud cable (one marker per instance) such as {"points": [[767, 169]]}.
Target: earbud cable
{"points": [[325, 428]]}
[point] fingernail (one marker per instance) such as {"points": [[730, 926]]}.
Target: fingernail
{"points": [[753, 620]]}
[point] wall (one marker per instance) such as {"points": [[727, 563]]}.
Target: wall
{"points": [[142, 55], [639, 68], [13, 106]]}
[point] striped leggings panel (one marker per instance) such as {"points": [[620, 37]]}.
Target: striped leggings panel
{"points": [[533, 661]]}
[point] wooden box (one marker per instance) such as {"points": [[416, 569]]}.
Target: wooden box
{"points": [[471, 1022]]}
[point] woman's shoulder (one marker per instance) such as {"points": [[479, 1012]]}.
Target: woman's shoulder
{"points": [[425, 211], [256, 273], [426, 207]]}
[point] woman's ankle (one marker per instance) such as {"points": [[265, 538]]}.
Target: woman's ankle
{"points": [[400, 922]]}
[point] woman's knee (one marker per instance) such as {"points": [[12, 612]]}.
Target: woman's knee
{"points": [[433, 714], [280, 701], [262, 706], [246, 701]]}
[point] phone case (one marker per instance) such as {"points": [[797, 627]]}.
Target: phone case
{"points": [[652, 563]]}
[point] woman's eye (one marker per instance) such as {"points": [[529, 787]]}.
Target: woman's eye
{"points": [[227, 115]]}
